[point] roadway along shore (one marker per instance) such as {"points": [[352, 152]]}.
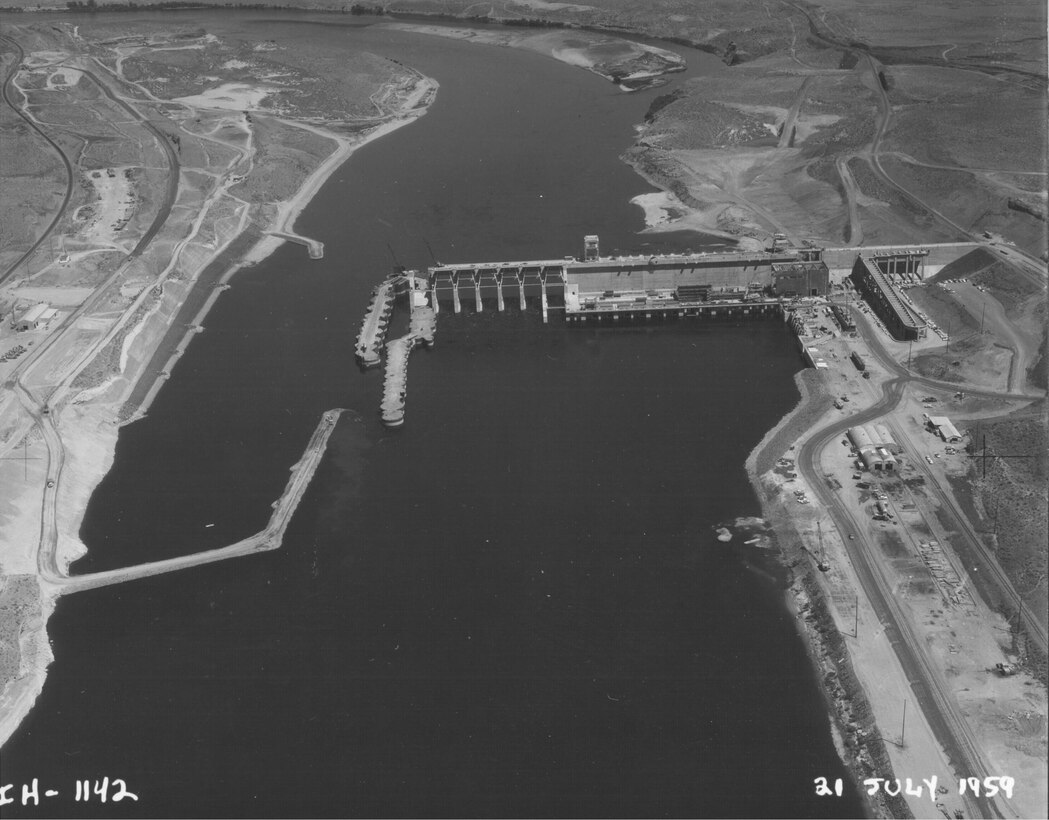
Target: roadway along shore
{"points": [[884, 649]]}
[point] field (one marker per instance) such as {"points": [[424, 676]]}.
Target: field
{"points": [[284, 156], [1014, 499]]}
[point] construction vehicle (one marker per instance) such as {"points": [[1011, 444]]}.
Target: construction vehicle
{"points": [[821, 557], [1005, 669]]}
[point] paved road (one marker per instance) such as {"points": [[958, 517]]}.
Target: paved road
{"points": [[932, 692], [39, 412], [8, 81], [887, 361], [936, 701]]}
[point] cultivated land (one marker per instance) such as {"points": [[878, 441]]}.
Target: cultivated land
{"points": [[833, 123]]}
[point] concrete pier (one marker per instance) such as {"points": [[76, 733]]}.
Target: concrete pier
{"points": [[477, 292], [422, 329], [373, 328], [314, 246], [456, 304], [500, 306], [520, 288], [395, 384], [546, 307], [269, 538]]}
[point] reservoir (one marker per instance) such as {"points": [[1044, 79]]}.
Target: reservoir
{"points": [[515, 605]]}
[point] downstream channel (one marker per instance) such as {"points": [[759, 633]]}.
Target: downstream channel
{"points": [[514, 605]]}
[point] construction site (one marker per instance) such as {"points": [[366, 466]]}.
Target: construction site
{"points": [[860, 484]]}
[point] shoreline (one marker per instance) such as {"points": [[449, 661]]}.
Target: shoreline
{"points": [[849, 712], [93, 427]]}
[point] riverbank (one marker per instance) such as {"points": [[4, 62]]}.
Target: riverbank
{"points": [[90, 421], [852, 719]]}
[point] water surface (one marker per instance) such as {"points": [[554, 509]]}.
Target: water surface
{"points": [[513, 606]]}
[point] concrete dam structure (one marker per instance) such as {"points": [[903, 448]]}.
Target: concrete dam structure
{"points": [[651, 285], [734, 285]]}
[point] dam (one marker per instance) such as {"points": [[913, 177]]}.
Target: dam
{"points": [[713, 284], [649, 286], [721, 285]]}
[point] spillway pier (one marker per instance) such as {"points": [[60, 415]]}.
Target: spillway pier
{"points": [[373, 328]]}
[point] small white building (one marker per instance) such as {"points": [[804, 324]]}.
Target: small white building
{"points": [[37, 317], [948, 432]]}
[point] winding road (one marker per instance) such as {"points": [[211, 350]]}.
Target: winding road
{"points": [[8, 82], [42, 413], [931, 692]]}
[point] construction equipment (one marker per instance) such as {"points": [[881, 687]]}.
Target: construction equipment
{"points": [[821, 556]]}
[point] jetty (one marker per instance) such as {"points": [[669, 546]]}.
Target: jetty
{"points": [[395, 384], [314, 246], [269, 538], [373, 328]]}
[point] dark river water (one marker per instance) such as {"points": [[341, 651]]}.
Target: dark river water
{"points": [[513, 606]]}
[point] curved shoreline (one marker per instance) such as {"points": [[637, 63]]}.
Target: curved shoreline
{"points": [[20, 693], [850, 713]]}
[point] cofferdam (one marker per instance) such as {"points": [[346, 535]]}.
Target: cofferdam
{"points": [[513, 605]]}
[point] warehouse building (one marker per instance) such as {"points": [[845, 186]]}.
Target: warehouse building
{"points": [[874, 448], [946, 430], [36, 318]]}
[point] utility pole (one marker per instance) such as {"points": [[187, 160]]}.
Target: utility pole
{"points": [[984, 456], [903, 725], [910, 344], [25, 458], [856, 623], [948, 337], [982, 314]]}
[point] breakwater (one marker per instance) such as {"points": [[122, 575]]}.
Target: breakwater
{"points": [[269, 538]]}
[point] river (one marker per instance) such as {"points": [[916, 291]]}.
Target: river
{"points": [[513, 606]]}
